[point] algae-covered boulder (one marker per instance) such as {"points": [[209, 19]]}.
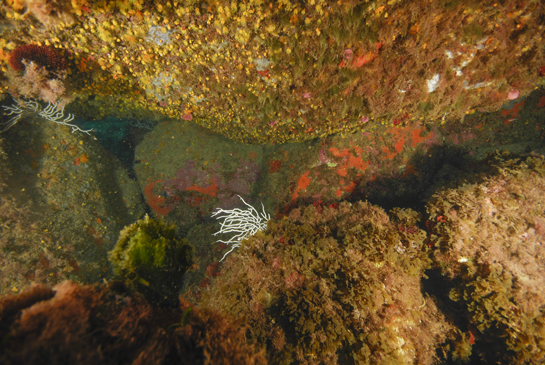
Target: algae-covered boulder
{"points": [[151, 259], [489, 238], [335, 285], [102, 324]]}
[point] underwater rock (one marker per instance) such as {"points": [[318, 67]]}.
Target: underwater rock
{"points": [[74, 324], [488, 238], [79, 195], [186, 176], [338, 284]]}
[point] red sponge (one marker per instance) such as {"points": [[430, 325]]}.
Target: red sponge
{"points": [[47, 57]]}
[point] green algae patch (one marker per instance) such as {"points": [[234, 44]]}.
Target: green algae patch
{"points": [[335, 285], [150, 258]]}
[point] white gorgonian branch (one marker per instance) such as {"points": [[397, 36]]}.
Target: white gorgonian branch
{"points": [[242, 222], [17, 111], [55, 115], [50, 113]]}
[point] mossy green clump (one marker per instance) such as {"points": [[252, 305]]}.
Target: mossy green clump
{"points": [[488, 237], [150, 258], [335, 285]]}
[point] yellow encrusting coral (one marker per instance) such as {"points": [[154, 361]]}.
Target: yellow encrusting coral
{"points": [[275, 72]]}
